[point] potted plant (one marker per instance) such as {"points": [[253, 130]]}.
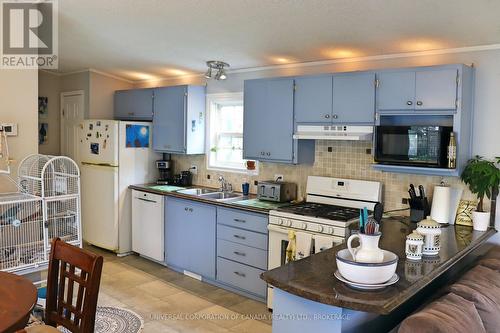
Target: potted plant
{"points": [[482, 176]]}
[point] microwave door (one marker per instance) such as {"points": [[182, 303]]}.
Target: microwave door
{"points": [[393, 144]]}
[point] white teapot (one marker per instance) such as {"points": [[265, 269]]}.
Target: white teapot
{"points": [[368, 250]]}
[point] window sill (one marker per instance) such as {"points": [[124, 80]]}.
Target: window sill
{"points": [[235, 170]]}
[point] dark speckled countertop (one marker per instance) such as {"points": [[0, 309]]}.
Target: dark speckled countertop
{"points": [[248, 203], [312, 278]]}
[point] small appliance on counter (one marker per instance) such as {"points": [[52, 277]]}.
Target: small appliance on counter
{"points": [[165, 171], [276, 191], [185, 179]]}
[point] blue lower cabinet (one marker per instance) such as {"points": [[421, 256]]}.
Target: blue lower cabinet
{"points": [[241, 276], [190, 236]]}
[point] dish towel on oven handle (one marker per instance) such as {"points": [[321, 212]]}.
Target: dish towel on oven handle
{"points": [[322, 243], [290, 249], [304, 245]]}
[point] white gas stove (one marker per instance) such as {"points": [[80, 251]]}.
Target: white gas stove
{"points": [[331, 205]]}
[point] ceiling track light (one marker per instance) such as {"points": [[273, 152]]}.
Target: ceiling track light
{"points": [[218, 66]]}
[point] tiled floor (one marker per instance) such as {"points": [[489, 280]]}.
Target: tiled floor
{"points": [[171, 302]]}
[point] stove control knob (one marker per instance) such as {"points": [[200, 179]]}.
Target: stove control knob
{"points": [[288, 223], [320, 228], [304, 226], [330, 230], [280, 221]]}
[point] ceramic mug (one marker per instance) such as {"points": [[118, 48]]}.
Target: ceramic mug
{"points": [[368, 250]]}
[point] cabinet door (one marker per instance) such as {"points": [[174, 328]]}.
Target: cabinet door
{"points": [[268, 120], [176, 234], [169, 120], [313, 99], [136, 104], [436, 89], [396, 91], [354, 98], [200, 237]]}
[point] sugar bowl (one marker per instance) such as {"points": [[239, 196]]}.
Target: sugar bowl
{"points": [[414, 245], [431, 231]]}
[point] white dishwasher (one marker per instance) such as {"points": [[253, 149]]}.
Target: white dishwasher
{"points": [[147, 225]]}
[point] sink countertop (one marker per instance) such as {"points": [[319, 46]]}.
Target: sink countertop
{"points": [[312, 277], [248, 203]]}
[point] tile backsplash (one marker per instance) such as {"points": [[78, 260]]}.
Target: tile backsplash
{"points": [[343, 159]]}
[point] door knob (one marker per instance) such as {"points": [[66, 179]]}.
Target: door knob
{"points": [[268, 154], [335, 116], [409, 103], [327, 116], [419, 103]]}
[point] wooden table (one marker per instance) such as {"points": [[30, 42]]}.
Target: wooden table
{"points": [[18, 296]]}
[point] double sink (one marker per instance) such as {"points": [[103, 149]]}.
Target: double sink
{"points": [[210, 194]]}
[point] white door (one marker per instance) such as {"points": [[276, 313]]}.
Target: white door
{"points": [[72, 109], [100, 205]]}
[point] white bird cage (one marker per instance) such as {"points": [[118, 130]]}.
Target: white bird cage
{"points": [[46, 206]]}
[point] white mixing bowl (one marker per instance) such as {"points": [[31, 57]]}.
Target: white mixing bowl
{"points": [[367, 273]]}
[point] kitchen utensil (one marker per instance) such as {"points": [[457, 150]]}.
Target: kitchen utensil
{"points": [[378, 211], [421, 191], [371, 227], [367, 273], [368, 250], [364, 286]]}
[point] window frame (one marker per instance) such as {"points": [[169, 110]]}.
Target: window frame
{"points": [[212, 99]]}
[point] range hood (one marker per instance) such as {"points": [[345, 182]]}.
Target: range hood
{"points": [[334, 132]]}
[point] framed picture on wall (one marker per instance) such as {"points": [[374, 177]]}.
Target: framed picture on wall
{"points": [[43, 107], [43, 130]]}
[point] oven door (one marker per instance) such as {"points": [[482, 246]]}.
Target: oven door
{"points": [[411, 145], [278, 242]]}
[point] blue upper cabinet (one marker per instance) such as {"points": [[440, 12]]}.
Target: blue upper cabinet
{"points": [[354, 98], [268, 120], [436, 89], [426, 88], [135, 104], [179, 119], [313, 99], [396, 90]]}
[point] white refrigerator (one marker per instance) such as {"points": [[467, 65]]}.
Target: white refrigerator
{"points": [[113, 155]]}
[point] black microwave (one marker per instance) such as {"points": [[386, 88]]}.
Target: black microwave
{"points": [[421, 145]]}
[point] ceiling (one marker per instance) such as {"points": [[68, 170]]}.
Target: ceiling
{"points": [[148, 39]]}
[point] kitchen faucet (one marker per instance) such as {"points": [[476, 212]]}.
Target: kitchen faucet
{"points": [[224, 185]]}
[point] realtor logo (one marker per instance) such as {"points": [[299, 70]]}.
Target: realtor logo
{"points": [[29, 34]]}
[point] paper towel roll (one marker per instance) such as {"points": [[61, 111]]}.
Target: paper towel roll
{"points": [[440, 211]]}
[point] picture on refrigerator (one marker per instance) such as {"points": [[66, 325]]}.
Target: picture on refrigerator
{"points": [[137, 136]]}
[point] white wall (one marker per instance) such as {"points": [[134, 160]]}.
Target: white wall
{"points": [[48, 86], [487, 97], [19, 104], [102, 90]]}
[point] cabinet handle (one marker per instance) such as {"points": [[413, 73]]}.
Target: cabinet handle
{"points": [[262, 153], [186, 209], [419, 103], [239, 253], [268, 154], [240, 221], [239, 237], [239, 274], [327, 116], [335, 116], [147, 200], [190, 209], [409, 103]]}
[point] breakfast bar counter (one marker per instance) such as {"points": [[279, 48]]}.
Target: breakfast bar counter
{"points": [[308, 286]]}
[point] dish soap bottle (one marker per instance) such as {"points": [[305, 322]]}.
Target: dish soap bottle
{"points": [[452, 152]]}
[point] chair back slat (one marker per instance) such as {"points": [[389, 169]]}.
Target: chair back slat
{"points": [[71, 306]]}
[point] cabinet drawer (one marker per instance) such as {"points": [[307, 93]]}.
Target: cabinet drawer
{"points": [[242, 253], [244, 220], [244, 237], [241, 276]]}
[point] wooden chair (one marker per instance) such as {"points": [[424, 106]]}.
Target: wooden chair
{"points": [[62, 281]]}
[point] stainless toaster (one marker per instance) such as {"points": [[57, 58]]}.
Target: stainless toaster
{"points": [[276, 191]]}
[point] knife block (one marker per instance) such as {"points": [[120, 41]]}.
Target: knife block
{"points": [[417, 215]]}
